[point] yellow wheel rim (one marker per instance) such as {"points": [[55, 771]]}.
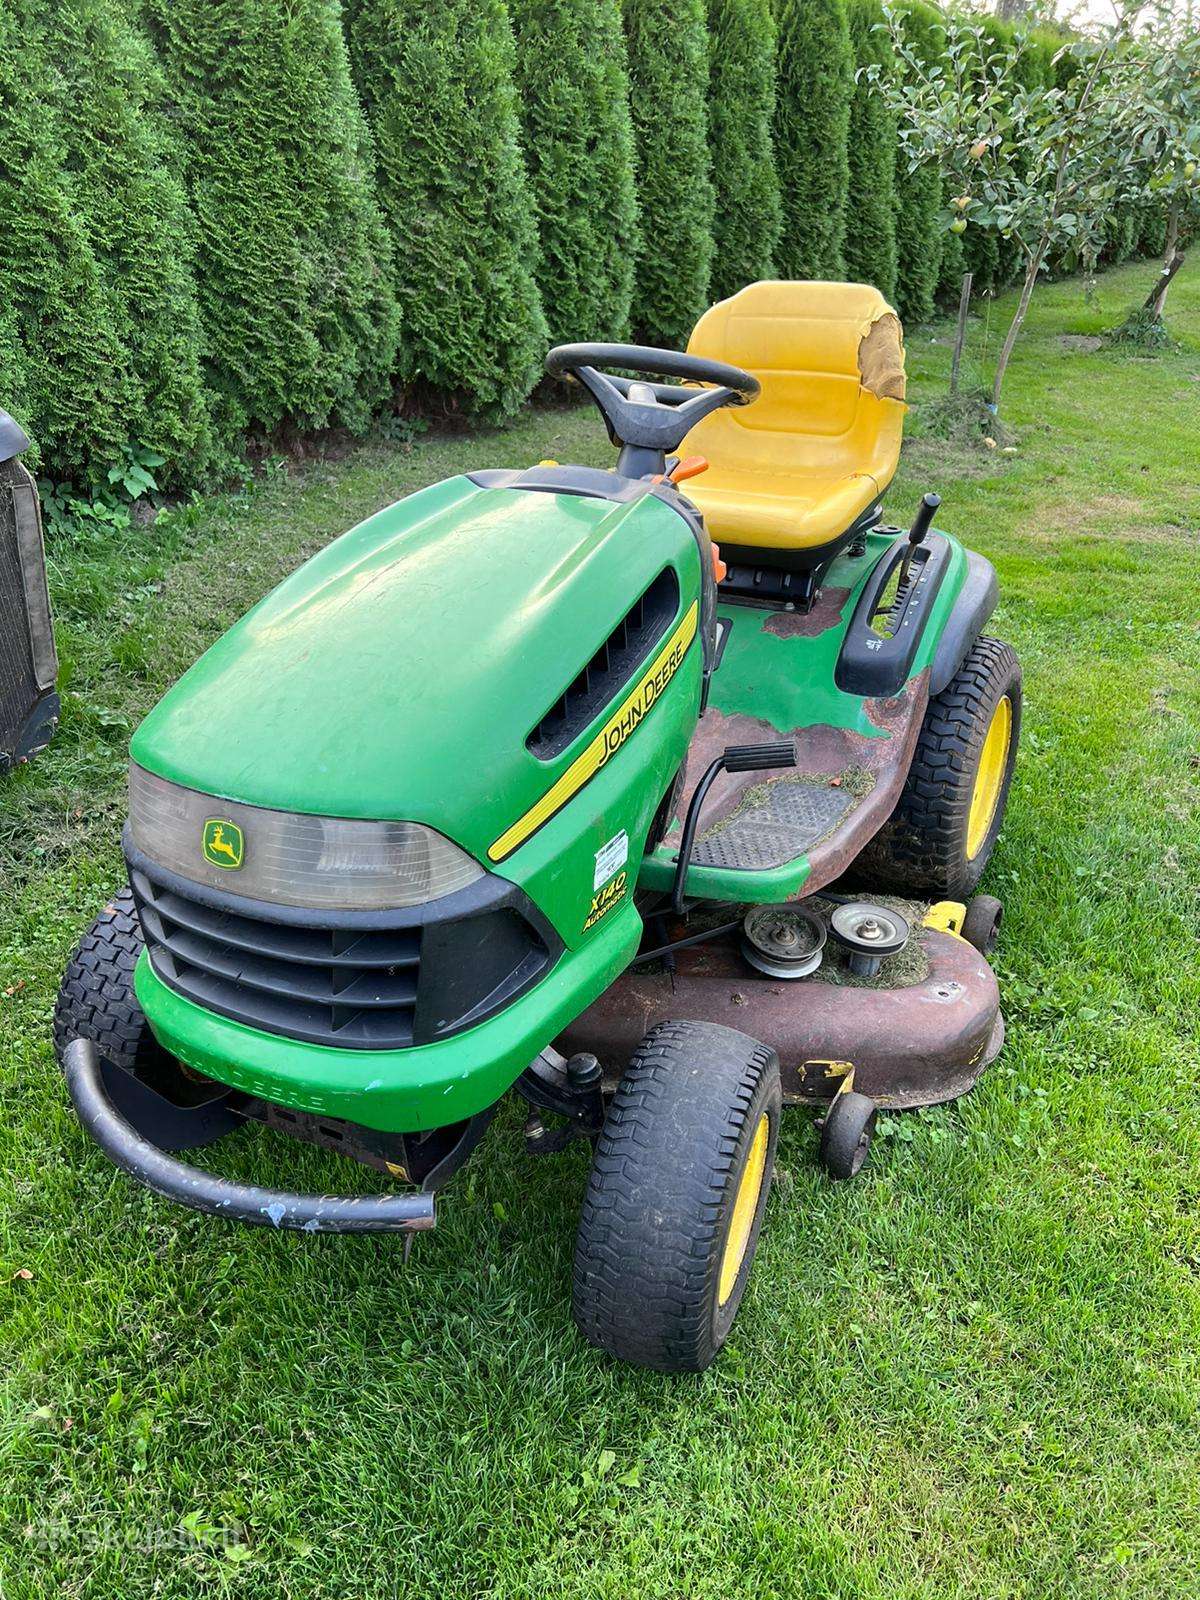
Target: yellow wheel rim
{"points": [[745, 1208], [989, 779]]}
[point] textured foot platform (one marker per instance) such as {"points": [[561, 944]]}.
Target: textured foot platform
{"points": [[775, 822]]}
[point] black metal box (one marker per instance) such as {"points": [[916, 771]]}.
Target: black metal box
{"points": [[28, 664]]}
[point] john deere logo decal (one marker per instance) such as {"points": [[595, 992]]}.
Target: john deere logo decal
{"points": [[623, 722], [224, 844]]}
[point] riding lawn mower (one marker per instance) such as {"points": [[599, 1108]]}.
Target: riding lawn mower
{"points": [[658, 808]]}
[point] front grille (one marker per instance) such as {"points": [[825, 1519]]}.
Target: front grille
{"points": [[325, 985], [356, 986]]}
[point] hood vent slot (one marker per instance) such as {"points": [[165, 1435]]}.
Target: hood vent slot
{"points": [[629, 644]]}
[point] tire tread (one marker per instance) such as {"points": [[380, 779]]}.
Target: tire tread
{"points": [[647, 1253], [921, 849]]}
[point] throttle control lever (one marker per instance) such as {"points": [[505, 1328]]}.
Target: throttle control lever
{"points": [[916, 534]]}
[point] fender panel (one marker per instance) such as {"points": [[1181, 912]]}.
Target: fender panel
{"points": [[973, 606]]}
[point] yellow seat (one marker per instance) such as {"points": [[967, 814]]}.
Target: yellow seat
{"points": [[796, 468]]}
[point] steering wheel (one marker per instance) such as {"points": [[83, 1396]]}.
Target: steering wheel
{"points": [[651, 416]]}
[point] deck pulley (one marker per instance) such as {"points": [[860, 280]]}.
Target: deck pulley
{"points": [[783, 941], [869, 933]]}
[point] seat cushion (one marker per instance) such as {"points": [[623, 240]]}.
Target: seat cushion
{"points": [[797, 516], [793, 470]]}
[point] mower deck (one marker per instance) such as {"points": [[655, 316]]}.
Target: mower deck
{"points": [[917, 1045]]}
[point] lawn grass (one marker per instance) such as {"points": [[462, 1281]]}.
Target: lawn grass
{"points": [[972, 1373]]}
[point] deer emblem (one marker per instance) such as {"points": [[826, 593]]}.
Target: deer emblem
{"points": [[224, 845]]}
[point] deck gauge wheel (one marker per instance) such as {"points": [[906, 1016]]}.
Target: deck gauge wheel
{"points": [[846, 1131], [981, 923]]}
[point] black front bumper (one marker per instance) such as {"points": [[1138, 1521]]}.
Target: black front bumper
{"points": [[221, 1197]]}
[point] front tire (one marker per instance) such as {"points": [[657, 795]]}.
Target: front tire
{"points": [[165, 1103], [676, 1196], [939, 838], [96, 999]]}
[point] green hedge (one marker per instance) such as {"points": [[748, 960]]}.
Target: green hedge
{"points": [[293, 263], [66, 375], [128, 197], [870, 243], [668, 74], [436, 79], [814, 75], [211, 229], [573, 90], [741, 108]]}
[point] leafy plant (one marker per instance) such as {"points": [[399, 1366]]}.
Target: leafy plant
{"points": [[1040, 165], [1142, 330], [133, 475], [72, 513]]}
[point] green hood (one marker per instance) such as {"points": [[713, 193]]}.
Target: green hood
{"points": [[398, 673]]}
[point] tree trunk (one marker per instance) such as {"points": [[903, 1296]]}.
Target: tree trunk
{"points": [[1011, 10], [960, 335], [1156, 300], [1014, 327]]}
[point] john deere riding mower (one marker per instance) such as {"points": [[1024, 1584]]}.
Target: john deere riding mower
{"points": [[526, 784]]}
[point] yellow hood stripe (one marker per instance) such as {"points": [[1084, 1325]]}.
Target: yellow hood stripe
{"points": [[607, 741]]}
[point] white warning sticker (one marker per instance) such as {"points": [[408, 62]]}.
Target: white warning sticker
{"points": [[611, 857]]}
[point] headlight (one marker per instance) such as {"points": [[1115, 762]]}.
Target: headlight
{"points": [[290, 858]]}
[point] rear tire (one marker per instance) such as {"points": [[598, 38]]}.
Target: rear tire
{"points": [[676, 1196], [937, 841]]}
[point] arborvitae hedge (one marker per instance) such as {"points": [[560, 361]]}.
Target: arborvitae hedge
{"points": [[68, 372], [741, 110], [14, 371], [1152, 230], [293, 263], [812, 123], [134, 212], [573, 92], [1121, 235], [193, 240], [919, 232], [870, 246], [668, 73], [435, 77]]}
